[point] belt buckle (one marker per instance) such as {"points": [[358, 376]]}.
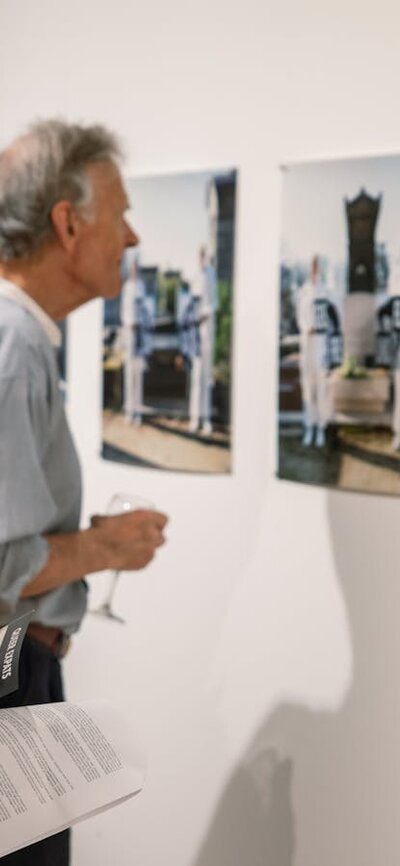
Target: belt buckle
{"points": [[63, 645]]}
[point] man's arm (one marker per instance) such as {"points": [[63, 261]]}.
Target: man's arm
{"points": [[123, 542]]}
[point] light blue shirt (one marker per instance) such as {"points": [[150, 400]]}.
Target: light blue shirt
{"points": [[40, 479]]}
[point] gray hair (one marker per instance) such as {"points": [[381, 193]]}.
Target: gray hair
{"points": [[41, 168]]}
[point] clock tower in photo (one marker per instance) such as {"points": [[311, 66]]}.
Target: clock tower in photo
{"points": [[359, 306]]}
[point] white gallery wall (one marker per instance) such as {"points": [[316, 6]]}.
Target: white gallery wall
{"points": [[260, 662]]}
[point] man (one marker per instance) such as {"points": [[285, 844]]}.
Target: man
{"points": [[62, 236], [189, 329], [388, 340], [205, 289], [317, 319], [137, 326]]}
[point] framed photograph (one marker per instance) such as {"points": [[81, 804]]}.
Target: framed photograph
{"points": [[339, 325], [167, 340]]}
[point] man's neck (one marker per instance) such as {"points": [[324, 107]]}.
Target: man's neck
{"points": [[45, 282]]}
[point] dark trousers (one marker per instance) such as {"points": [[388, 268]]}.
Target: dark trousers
{"points": [[39, 683]]}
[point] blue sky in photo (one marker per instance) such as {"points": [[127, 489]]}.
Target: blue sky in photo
{"points": [[313, 218], [169, 212]]}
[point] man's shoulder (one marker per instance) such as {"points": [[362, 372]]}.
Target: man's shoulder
{"points": [[20, 339]]}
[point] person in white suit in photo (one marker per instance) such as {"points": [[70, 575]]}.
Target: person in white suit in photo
{"points": [[313, 324], [205, 289], [137, 323], [389, 332]]}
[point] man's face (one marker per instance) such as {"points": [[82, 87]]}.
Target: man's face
{"points": [[104, 235]]}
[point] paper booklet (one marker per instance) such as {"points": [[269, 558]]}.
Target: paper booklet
{"points": [[59, 764]]}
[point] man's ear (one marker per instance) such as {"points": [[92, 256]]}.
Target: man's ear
{"points": [[66, 224]]}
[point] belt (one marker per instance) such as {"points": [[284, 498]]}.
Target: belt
{"points": [[53, 638]]}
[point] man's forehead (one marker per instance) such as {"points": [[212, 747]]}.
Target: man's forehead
{"points": [[106, 179]]}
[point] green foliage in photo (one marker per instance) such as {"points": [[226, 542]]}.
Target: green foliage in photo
{"points": [[223, 332]]}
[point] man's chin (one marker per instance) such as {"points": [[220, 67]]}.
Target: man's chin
{"points": [[112, 292]]}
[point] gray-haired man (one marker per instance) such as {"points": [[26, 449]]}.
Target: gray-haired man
{"points": [[62, 236]]}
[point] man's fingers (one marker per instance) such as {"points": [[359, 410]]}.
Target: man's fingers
{"points": [[156, 517], [96, 519], [158, 539], [153, 536], [161, 518], [135, 535], [132, 537]]}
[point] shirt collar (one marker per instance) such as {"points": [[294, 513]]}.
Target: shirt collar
{"points": [[15, 293]]}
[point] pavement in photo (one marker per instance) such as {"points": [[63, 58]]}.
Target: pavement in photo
{"points": [[354, 458], [162, 448]]}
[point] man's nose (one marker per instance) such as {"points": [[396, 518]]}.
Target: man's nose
{"points": [[131, 238]]}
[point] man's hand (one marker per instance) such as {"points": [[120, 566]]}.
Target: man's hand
{"points": [[130, 540], [123, 542]]}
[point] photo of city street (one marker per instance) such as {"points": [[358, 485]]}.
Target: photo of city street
{"points": [[167, 344], [339, 340]]}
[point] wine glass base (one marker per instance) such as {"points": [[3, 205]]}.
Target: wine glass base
{"points": [[105, 610]]}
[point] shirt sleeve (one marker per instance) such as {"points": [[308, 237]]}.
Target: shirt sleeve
{"points": [[26, 504]]}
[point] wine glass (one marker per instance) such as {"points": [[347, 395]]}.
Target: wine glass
{"points": [[119, 504]]}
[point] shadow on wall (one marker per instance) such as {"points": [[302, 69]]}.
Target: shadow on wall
{"points": [[253, 823], [323, 788]]}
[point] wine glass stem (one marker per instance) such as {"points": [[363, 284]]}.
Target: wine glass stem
{"points": [[111, 591]]}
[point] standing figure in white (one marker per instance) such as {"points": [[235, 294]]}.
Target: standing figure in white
{"points": [[313, 317], [205, 289], [137, 326], [389, 343]]}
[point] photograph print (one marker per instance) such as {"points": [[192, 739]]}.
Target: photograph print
{"points": [[167, 339], [339, 325]]}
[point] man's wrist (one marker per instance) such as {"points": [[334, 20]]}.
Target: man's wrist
{"points": [[96, 550]]}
